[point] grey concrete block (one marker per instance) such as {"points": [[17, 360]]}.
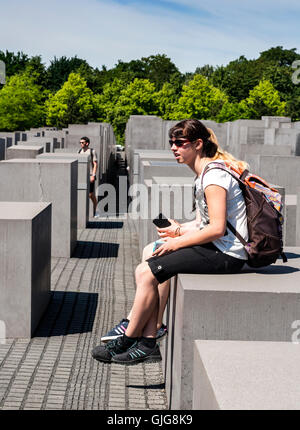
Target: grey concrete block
{"points": [[25, 265], [290, 137], [233, 375], [150, 168], [34, 180], [253, 305], [144, 131], [23, 151], [283, 170], [258, 149], [2, 148], [290, 220], [298, 217], [140, 155], [10, 137], [47, 143], [171, 196], [278, 119], [82, 183]]}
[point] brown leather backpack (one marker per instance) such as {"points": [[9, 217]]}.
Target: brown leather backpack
{"points": [[264, 217]]}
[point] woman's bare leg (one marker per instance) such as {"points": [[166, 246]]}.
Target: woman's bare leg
{"points": [[163, 289], [145, 307], [163, 294]]}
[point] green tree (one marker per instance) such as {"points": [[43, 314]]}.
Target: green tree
{"points": [[230, 112], [14, 63], [21, 103], [237, 78], [199, 99], [205, 70], [107, 100], [262, 100], [20, 62], [73, 103], [137, 98], [60, 69], [293, 105], [166, 99], [279, 56], [158, 69], [36, 68]]}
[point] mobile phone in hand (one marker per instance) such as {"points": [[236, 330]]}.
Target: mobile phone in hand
{"points": [[157, 244], [161, 221]]}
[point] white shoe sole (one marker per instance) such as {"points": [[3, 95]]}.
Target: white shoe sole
{"points": [[106, 339]]}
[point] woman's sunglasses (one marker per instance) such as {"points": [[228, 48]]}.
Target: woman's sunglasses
{"points": [[178, 142]]}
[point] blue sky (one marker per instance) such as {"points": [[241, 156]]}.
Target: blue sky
{"points": [[192, 33]]}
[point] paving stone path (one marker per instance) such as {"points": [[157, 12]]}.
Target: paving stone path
{"points": [[91, 292]]}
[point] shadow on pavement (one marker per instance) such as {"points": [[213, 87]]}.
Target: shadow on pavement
{"points": [[68, 313], [87, 249]]}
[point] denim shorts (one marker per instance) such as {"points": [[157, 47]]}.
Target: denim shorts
{"points": [[195, 259]]}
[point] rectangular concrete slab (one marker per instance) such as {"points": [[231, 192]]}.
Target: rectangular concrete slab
{"points": [[23, 151], [2, 148], [82, 184], [55, 181], [253, 305], [25, 265], [171, 196], [235, 375], [150, 168]]}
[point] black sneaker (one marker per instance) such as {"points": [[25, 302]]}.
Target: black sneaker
{"points": [[116, 332], [138, 353], [161, 333], [104, 353]]}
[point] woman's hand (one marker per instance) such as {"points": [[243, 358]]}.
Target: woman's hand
{"points": [[170, 245], [172, 230]]}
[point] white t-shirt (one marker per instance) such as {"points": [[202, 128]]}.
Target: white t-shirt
{"points": [[236, 210], [93, 155]]}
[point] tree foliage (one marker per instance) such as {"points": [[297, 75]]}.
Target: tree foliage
{"points": [[262, 100], [73, 103], [60, 69], [14, 63], [136, 98], [199, 99], [153, 85], [21, 103]]}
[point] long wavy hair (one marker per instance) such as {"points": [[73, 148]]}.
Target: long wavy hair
{"points": [[193, 129]]}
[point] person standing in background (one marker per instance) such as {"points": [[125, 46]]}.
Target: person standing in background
{"points": [[85, 142]]}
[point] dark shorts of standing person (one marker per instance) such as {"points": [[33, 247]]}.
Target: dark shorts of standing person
{"points": [[92, 186], [196, 259]]}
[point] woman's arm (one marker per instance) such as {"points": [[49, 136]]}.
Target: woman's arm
{"points": [[174, 231], [216, 203]]}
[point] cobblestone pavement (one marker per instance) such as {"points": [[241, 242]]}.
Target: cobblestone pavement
{"points": [[91, 292]]}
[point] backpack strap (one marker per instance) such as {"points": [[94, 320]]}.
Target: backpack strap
{"points": [[236, 233], [91, 154], [240, 181]]}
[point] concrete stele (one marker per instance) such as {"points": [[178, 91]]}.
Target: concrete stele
{"points": [[239, 375], [37, 180], [25, 265], [83, 182], [252, 305], [23, 151]]}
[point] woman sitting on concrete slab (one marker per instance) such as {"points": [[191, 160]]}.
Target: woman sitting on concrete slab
{"points": [[201, 246]]}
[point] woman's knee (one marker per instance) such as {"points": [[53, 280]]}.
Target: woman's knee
{"points": [[143, 272], [147, 251]]}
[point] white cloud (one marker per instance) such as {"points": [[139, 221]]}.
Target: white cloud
{"points": [[103, 31]]}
